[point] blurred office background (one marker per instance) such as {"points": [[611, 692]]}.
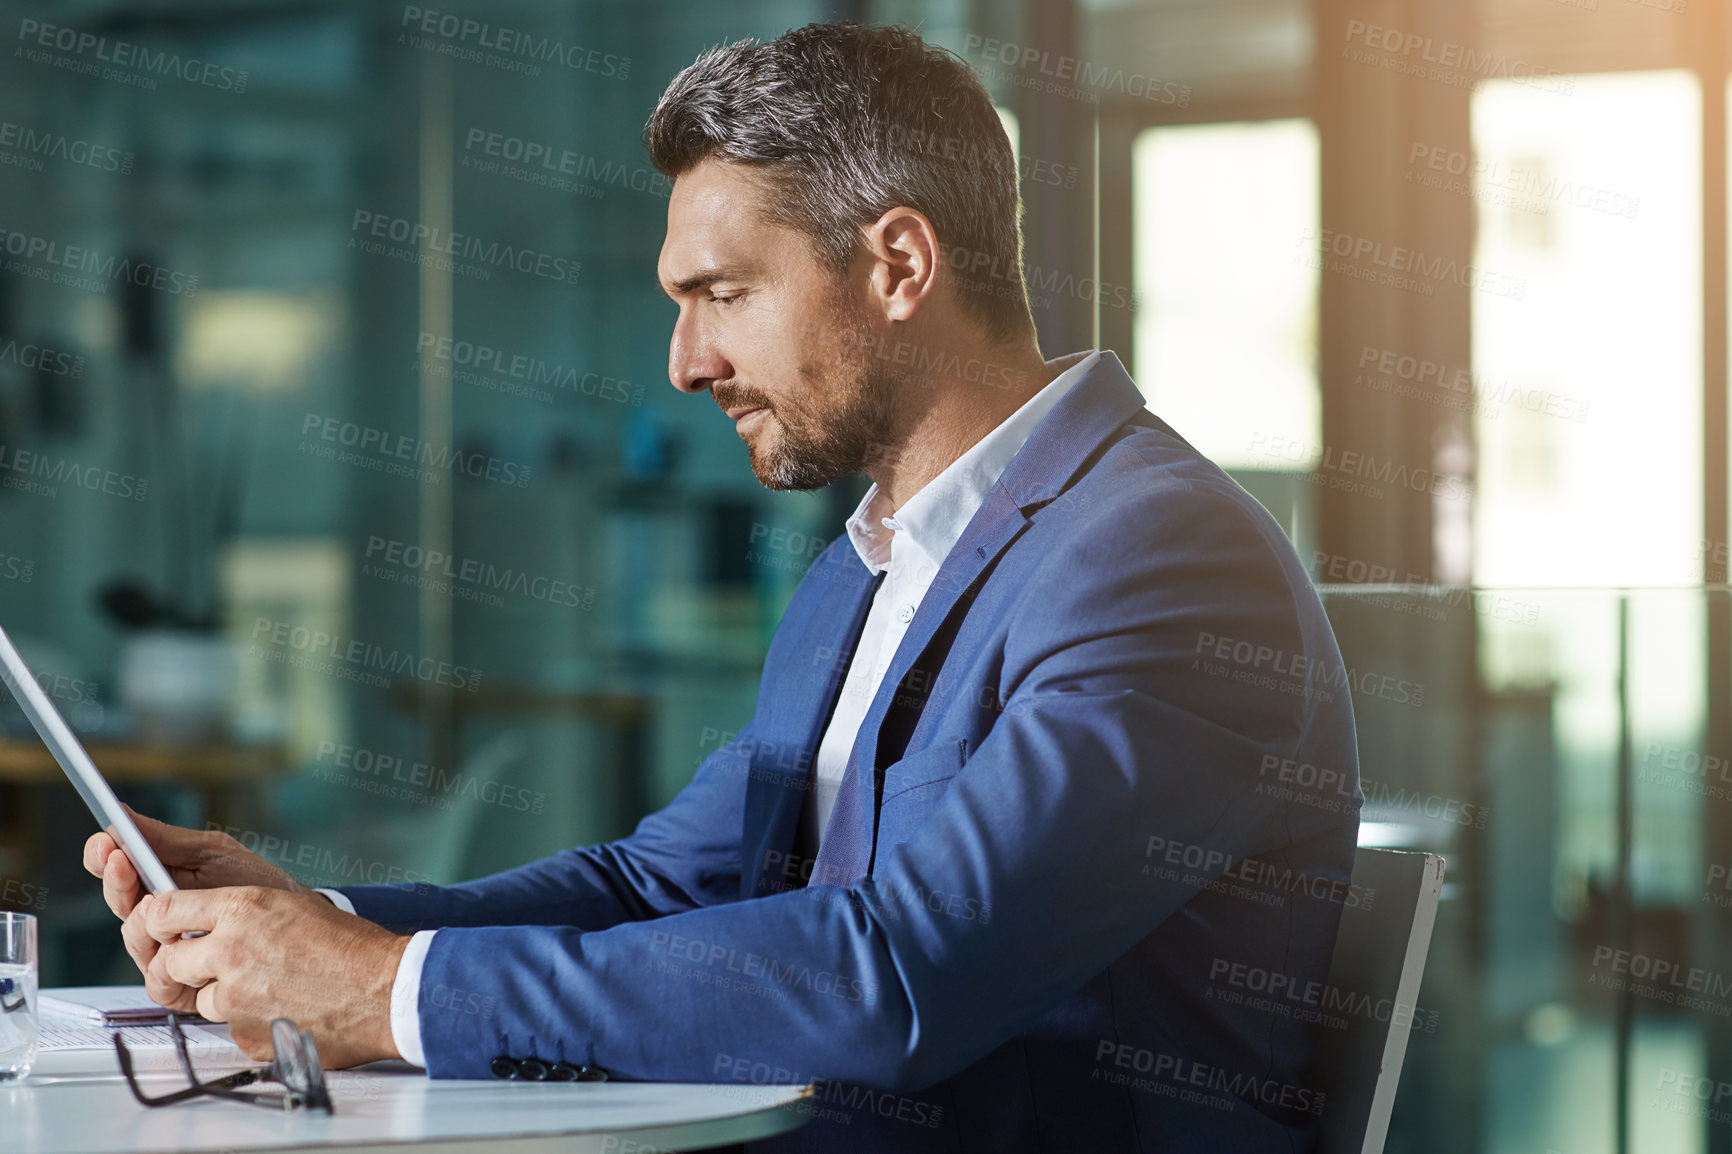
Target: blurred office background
{"points": [[1443, 282]]}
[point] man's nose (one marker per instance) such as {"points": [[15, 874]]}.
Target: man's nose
{"points": [[694, 363]]}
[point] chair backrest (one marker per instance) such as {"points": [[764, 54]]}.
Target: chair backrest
{"points": [[1374, 984]]}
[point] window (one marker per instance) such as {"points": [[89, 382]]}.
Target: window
{"points": [[1226, 330]]}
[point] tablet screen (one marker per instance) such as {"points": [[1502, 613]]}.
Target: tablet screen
{"points": [[85, 777]]}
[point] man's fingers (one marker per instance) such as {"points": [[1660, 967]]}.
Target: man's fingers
{"points": [[191, 963], [159, 984], [120, 885], [206, 1002], [118, 867], [175, 845], [165, 991], [155, 832], [97, 847], [139, 944], [188, 911]]}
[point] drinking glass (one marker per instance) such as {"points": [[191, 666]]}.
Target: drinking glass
{"points": [[17, 996]]}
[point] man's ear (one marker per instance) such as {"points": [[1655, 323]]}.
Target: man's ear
{"points": [[902, 247]]}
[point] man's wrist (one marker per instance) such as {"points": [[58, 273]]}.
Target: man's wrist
{"points": [[370, 955], [378, 998]]}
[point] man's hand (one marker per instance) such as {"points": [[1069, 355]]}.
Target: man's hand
{"points": [[196, 860], [270, 954]]}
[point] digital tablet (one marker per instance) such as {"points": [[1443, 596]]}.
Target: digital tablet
{"points": [[59, 739]]}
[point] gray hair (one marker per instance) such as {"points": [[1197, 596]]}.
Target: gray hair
{"points": [[851, 121]]}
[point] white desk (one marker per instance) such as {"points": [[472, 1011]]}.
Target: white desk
{"points": [[76, 1103]]}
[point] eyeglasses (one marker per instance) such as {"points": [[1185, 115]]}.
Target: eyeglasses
{"points": [[295, 1065]]}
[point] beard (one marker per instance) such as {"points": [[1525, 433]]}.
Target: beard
{"points": [[840, 422]]}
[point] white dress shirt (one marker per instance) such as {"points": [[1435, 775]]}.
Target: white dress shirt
{"points": [[908, 545]]}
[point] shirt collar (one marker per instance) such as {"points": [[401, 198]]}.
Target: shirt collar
{"points": [[930, 523]]}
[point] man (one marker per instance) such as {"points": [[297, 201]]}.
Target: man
{"points": [[1007, 810]]}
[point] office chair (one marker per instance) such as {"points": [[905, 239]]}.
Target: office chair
{"points": [[1374, 985]]}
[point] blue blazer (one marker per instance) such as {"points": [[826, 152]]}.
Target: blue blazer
{"points": [[1082, 883]]}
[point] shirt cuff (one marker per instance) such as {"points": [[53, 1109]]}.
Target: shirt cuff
{"points": [[406, 1000], [338, 900]]}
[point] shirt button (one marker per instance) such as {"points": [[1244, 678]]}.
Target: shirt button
{"points": [[905, 613]]}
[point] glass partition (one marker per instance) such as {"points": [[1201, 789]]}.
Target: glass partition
{"points": [[1552, 745]]}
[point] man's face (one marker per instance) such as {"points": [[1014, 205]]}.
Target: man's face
{"points": [[782, 344]]}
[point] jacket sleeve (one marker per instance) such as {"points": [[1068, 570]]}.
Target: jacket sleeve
{"points": [[1027, 878], [682, 857]]}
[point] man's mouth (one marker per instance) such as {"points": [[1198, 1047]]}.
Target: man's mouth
{"points": [[745, 418]]}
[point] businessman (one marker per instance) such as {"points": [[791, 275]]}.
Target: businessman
{"points": [[1016, 814]]}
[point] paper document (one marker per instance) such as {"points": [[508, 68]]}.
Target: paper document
{"points": [[59, 1033], [107, 1005], [71, 1018]]}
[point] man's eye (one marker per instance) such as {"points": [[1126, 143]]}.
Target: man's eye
{"points": [[721, 300]]}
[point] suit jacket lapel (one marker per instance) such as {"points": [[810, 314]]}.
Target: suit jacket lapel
{"points": [[775, 792], [994, 527]]}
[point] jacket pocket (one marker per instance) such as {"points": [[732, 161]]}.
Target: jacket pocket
{"points": [[931, 766]]}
